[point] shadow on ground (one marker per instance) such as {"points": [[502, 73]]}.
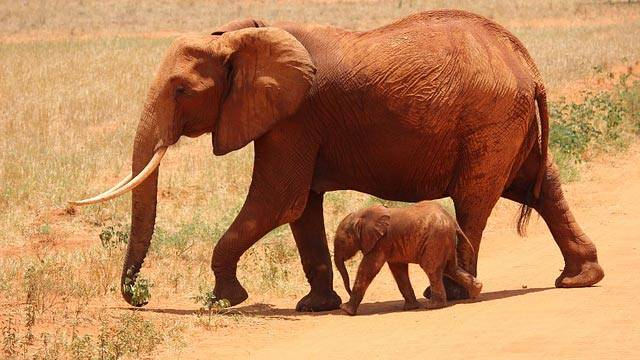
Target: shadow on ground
{"points": [[270, 311]]}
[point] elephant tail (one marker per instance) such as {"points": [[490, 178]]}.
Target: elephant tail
{"points": [[541, 99], [525, 209]]}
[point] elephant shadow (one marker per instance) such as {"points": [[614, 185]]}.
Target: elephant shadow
{"points": [[257, 310], [385, 307], [270, 311]]}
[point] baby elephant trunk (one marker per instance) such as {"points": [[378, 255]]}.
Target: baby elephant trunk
{"points": [[339, 260]]}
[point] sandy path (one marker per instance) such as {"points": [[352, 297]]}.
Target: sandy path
{"points": [[508, 321]]}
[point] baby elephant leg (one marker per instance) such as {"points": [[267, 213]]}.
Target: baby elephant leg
{"points": [[438, 294], [400, 273], [465, 279], [368, 269]]}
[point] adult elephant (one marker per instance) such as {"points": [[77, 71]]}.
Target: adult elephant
{"points": [[441, 103]]}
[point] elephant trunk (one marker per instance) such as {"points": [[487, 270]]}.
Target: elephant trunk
{"points": [[342, 269], [143, 204]]}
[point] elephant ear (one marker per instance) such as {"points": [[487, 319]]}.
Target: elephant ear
{"points": [[373, 225], [270, 73], [237, 25]]}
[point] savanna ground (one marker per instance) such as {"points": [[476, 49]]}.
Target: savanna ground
{"points": [[73, 76]]}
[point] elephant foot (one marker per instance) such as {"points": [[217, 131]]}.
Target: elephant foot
{"points": [[349, 309], [587, 274], [411, 305], [453, 289], [435, 304], [230, 290], [319, 301], [475, 289]]}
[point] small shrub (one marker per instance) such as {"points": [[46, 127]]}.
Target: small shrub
{"points": [[9, 337], [602, 122], [629, 95], [209, 302], [45, 282], [131, 335], [114, 236], [571, 132], [139, 289], [182, 240]]}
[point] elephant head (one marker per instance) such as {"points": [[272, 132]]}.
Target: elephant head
{"points": [[236, 85], [358, 231]]}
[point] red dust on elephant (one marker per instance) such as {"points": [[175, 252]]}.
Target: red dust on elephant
{"points": [[424, 234], [440, 103]]}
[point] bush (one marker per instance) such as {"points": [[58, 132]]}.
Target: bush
{"points": [[140, 289], [602, 122], [629, 95], [114, 236]]}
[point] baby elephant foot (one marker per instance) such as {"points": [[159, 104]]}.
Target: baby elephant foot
{"points": [[411, 305], [435, 304], [349, 308]]}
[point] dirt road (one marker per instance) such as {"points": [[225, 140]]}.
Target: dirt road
{"points": [[519, 315]]}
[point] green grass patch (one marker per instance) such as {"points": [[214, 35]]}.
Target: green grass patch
{"points": [[605, 121]]}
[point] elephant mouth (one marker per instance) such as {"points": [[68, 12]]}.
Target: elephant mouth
{"points": [[128, 183]]}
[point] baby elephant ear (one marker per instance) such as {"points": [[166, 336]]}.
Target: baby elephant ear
{"points": [[374, 224]]}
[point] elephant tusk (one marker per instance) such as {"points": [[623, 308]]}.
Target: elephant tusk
{"points": [[119, 188], [119, 184]]}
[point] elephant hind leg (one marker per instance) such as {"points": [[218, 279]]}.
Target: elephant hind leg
{"points": [[311, 241], [400, 273], [470, 283], [579, 252], [474, 197], [438, 296]]}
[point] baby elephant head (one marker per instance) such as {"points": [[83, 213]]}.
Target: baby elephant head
{"points": [[360, 230]]}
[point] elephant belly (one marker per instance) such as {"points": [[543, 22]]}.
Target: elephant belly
{"points": [[393, 164]]}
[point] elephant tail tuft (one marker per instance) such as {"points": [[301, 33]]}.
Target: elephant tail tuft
{"points": [[523, 219]]}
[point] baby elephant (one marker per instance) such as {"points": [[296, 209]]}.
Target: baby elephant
{"points": [[424, 233]]}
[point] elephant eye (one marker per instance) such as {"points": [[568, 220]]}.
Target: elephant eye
{"points": [[180, 91]]}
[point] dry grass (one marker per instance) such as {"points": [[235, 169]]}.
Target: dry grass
{"points": [[70, 101]]}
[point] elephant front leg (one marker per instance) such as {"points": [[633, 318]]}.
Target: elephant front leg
{"points": [[368, 269], [311, 241], [254, 221]]}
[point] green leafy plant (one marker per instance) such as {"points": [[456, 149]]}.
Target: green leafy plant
{"points": [[114, 236], [629, 95], [603, 121], [138, 289], [209, 302]]}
